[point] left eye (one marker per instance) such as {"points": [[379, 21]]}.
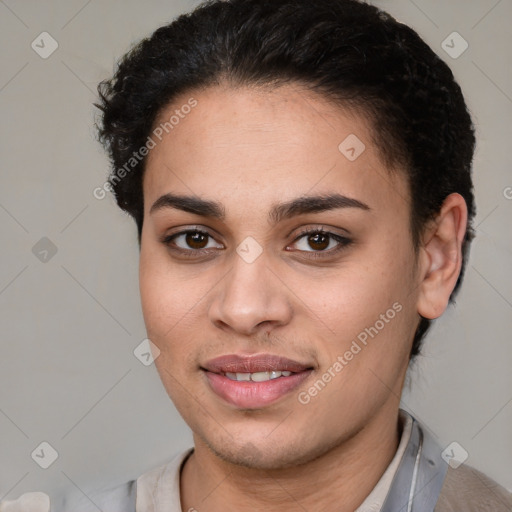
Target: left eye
{"points": [[320, 241]]}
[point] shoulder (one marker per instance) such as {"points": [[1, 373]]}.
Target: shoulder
{"points": [[136, 494], [468, 489], [114, 498], [162, 484]]}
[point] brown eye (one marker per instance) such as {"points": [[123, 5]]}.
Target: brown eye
{"points": [[190, 241], [317, 243]]}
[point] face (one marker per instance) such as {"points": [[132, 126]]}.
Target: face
{"points": [[272, 275]]}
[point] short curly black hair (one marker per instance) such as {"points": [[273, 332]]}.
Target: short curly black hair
{"points": [[350, 52]]}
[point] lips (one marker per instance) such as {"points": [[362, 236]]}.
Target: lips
{"points": [[256, 381], [235, 363]]}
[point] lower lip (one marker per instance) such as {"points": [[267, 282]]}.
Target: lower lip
{"points": [[254, 395]]}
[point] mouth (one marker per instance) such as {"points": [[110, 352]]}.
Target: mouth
{"points": [[256, 381]]}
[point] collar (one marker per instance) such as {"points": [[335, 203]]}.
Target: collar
{"points": [[420, 474], [373, 502]]}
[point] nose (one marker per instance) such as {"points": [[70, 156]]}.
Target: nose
{"points": [[251, 297]]}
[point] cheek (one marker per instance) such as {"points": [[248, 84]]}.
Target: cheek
{"points": [[172, 305], [355, 296], [370, 302], [158, 293]]}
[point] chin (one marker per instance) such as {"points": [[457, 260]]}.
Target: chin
{"points": [[265, 455]]}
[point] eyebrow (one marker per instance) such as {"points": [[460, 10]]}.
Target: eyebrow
{"points": [[278, 212]]}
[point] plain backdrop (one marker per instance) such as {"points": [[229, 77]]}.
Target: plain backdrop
{"points": [[70, 313]]}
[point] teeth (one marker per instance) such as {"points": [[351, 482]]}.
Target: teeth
{"points": [[262, 376], [257, 376]]}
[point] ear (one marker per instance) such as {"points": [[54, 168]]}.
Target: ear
{"points": [[441, 257]]}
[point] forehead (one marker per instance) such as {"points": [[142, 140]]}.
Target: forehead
{"points": [[255, 147]]}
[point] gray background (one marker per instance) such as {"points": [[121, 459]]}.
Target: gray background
{"points": [[70, 323]]}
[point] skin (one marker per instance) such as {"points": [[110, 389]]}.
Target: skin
{"points": [[249, 149]]}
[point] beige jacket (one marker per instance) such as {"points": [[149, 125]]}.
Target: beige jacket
{"points": [[466, 489]]}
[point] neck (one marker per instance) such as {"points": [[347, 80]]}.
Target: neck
{"points": [[339, 480]]}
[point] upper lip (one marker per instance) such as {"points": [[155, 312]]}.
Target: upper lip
{"points": [[234, 363]]}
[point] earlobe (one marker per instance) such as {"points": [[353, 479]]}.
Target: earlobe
{"points": [[441, 257]]}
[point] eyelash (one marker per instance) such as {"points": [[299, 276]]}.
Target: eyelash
{"points": [[191, 253]]}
